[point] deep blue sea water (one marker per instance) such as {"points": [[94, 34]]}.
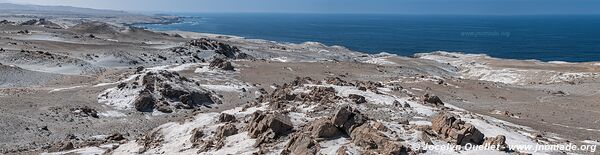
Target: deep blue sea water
{"points": [[544, 37]]}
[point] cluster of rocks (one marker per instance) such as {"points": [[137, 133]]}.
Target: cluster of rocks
{"points": [[23, 32], [150, 140], [455, 131], [284, 94], [432, 100], [165, 90], [228, 51], [347, 122], [85, 112], [217, 140], [221, 64], [268, 126], [42, 22], [6, 22], [71, 142], [273, 127], [362, 85], [42, 54], [357, 99], [159, 89]]}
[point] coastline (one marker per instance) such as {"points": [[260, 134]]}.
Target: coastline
{"points": [[398, 40], [471, 66], [108, 71]]}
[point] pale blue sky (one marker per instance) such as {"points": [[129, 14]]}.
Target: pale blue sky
{"points": [[501, 7]]}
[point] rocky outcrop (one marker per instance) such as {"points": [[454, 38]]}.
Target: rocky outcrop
{"points": [[323, 129], [375, 142], [498, 141], [301, 144], [115, 137], [144, 102], [6, 22], [230, 52], [85, 112], [432, 99], [320, 95], [284, 94], [223, 132], [221, 64], [368, 85], [347, 121], [223, 118], [347, 118], [61, 146], [197, 135], [64, 145], [150, 140], [42, 22], [268, 126], [337, 81], [357, 99], [455, 131], [161, 90]]}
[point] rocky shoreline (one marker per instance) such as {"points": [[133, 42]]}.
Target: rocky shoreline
{"points": [[102, 88]]}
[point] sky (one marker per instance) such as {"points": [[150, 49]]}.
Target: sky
{"points": [[472, 7]]}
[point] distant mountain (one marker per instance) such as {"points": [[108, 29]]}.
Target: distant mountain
{"points": [[9, 8]]}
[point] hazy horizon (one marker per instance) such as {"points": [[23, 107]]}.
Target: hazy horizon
{"points": [[409, 7]]}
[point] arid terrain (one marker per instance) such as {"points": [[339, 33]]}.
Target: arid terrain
{"points": [[98, 86]]}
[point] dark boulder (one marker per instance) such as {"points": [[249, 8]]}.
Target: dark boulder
{"points": [[223, 117], [144, 102], [432, 99], [221, 64], [347, 118], [357, 99]]}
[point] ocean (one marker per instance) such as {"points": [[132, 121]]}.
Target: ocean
{"points": [[573, 38]]}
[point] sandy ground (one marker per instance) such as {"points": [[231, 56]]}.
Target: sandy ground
{"points": [[46, 73]]}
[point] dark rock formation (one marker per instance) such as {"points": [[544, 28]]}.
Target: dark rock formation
{"points": [[6, 22], [222, 133], [42, 22], [85, 112], [432, 99], [301, 144], [144, 102], [337, 81], [267, 127], [223, 117], [164, 90], [357, 99], [221, 64], [347, 118], [324, 129], [197, 135], [261, 122], [230, 52]]}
